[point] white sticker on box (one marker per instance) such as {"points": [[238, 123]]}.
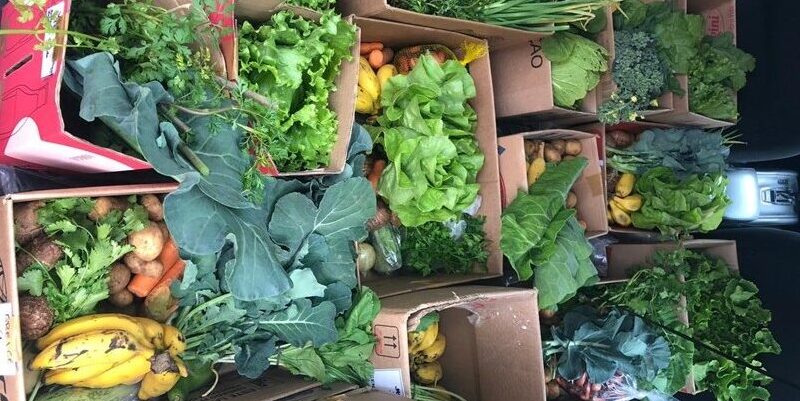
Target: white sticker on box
{"points": [[9, 360], [389, 381], [54, 15]]}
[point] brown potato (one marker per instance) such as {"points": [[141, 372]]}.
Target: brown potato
{"points": [[35, 316], [573, 147], [559, 144], [147, 242], [133, 262], [122, 298], [551, 154], [118, 278], [619, 139], [41, 249], [164, 229], [152, 268], [572, 200], [104, 205], [155, 210], [26, 221]]}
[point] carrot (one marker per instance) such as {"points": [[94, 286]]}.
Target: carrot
{"points": [[172, 274], [169, 254], [141, 285], [375, 174], [367, 47]]}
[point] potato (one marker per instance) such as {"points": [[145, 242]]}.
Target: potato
{"points": [[583, 224], [559, 144], [572, 200], [41, 249], [551, 154], [35, 317], [118, 278], [147, 242], [155, 211], [569, 157], [152, 268], [121, 298], [164, 230], [26, 221], [104, 205], [530, 149], [133, 262], [573, 147], [619, 139]]}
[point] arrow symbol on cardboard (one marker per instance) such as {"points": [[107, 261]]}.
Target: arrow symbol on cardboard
{"points": [[393, 338]]}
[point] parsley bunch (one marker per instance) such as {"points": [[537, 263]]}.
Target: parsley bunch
{"points": [[432, 249]]}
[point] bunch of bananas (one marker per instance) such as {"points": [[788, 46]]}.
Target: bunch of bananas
{"points": [[370, 83], [425, 348], [106, 350], [624, 202]]}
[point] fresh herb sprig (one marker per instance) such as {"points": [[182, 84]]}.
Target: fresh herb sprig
{"points": [[432, 249]]}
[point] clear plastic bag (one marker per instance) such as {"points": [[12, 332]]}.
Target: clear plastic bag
{"points": [[623, 387]]}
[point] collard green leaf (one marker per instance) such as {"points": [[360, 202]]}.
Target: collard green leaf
{"points": [[303, 323], [339, 294], [252, 358]]}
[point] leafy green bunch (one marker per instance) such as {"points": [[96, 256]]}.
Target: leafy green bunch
{"points": [[431, 248], [723, 311], [686, 151], [542, 238], [640, 75], [79, 280], [319, 5], [294, 62], [577, 64], [602, 346], [428, 132], [677, 207]]}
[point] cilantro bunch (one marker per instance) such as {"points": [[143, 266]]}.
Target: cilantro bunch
{"points": [[431, 248], [79, 280]]}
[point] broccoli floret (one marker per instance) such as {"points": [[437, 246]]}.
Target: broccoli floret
{"points": [[640, 74]]}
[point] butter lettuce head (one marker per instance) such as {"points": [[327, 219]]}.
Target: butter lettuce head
{"points": [[427, 130]]}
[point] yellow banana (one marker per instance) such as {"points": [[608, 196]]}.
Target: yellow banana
{"points": [[85, 324], [153, 330], [174, 341], [385, 72], [367, 79], [434, 352], [414, 339], [126, 372], [620, 216], [365, 104], [95, 347], [629, 204], [67, 377], [625, 185], [428, 373], [429, 336], [165, 371]]}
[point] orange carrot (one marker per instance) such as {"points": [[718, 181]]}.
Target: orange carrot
{"points": [[169, 254], [375, 175], [368, 47], [172, 274], [376, 59], [141, 285]]}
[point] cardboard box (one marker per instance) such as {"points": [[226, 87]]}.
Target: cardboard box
{"points": [[494, 349], [342, 101], [32, 127], [589, 187], [720, 16], [11, 359], [623, 258], [634, 128], [497, 36], [524, 86], [397, 35]]}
